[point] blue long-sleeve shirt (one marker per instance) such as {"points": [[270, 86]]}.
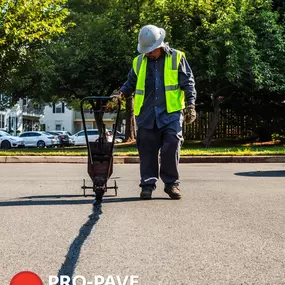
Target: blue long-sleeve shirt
{"points": [[154, 106]]}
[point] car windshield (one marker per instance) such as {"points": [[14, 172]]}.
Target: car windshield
{"points": [[4, 133], [52, 133], [46, 133]]}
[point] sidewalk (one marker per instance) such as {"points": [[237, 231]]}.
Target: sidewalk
{"points": [[135, 159]]}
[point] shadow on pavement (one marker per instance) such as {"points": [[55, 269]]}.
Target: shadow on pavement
{"points": [[269, 173], [58, 196], [30, 200], [133, 199], [73, 253]]}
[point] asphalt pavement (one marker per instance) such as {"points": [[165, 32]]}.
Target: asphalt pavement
{"points": [[229, 227]]}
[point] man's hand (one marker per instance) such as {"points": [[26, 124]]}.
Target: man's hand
{"points": [[116, 96], [189, 114]]}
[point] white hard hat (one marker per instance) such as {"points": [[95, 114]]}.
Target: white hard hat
{"points": [[150, 38]]}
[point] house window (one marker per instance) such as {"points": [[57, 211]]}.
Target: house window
{"points": [[2, 121], [58, 108]]}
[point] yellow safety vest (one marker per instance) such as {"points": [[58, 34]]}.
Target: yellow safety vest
{"points": [[174, 95]]}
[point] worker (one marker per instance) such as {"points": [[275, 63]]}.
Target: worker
{"points": [[163, 86]]}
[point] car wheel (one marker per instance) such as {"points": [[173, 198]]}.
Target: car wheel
{"points": [[41, 144], [5, 144]]}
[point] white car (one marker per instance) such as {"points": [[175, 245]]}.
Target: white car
{"points": [[93, 135], [38, 139], [7, 141]]}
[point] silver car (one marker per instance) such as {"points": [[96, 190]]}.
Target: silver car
{"points": [[93, 135], [38, 139], [7, 141]]}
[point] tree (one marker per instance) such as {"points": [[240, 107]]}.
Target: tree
{"points": [[93, 58], [236, 47], [24, 26]]}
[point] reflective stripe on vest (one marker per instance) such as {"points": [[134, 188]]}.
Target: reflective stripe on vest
{"points": [[174, 95]]}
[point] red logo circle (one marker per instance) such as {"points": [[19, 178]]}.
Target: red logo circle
{"points": [[26, 278]]}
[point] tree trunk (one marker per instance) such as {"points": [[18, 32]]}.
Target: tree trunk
{"points": [[130, 120], [214, 122]]}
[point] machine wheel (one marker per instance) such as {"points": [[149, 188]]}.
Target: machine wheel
{"points": [[99, 192], [5, 144], [41, 144]]}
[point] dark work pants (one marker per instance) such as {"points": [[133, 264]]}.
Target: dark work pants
{"points": [[168, 140]]}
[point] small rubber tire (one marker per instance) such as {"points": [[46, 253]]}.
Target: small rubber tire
{"points": [[5, 144], [41, 144]]}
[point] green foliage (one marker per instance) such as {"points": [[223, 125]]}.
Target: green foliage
{"points": [[278, 137], [235, 48], [24, 27], [239, 42], [93, 58], [132, 151]]}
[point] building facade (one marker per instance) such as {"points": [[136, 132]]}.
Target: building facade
{"points": [[23, 116], [58, 117], [27, 115]]}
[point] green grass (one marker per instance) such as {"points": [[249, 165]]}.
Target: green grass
{"points": [[234, 151], [131, 150]]}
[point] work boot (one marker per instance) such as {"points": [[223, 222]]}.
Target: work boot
{"points": [[146, 192], [173, 191]]}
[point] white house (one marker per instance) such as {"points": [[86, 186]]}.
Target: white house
{"points": [[27, 115], [23, 116], [57, 117]]}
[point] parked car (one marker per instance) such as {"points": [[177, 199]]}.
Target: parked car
{"points": [[38, 139], [63, 140], [120, 137], [7, 141], [93, 135], [70, 137]]}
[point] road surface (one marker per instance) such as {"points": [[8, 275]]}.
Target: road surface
{"points": [[229, 227]]}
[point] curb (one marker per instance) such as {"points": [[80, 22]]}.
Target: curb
{"points": [[135, 159]]}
